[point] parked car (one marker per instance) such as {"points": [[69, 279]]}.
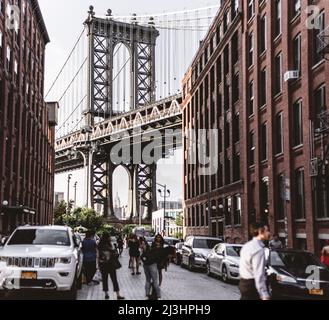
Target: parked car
{"points": [[178, 258], [196, 249], [289, 277], [224, 261], [41, 258], [149, 240], [170, 241]]}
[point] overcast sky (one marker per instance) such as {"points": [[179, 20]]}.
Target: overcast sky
{"points": [[64, 20]]}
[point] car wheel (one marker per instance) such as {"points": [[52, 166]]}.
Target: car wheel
{"points": [[209, 273], [224, 274]]}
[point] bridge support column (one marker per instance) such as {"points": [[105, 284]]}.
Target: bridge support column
{"points": [[145, 195], [102, 185]]}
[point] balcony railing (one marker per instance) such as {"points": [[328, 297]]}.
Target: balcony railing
{"points": [[323, 41]]}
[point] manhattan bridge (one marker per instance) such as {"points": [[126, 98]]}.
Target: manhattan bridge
{"points": [[121, 79]]}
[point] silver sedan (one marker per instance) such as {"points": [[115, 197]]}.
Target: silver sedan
{"points": [[224, 261]]}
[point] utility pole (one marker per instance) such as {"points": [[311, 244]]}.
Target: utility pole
{"points": [[164, 196], [75, 194], [69, 177]]}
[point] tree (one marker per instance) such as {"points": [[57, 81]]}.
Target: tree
{"points": [[59, 213], [128, 229], [179, 220]]}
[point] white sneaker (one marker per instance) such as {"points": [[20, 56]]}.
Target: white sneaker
{"points": [[159, 298]]}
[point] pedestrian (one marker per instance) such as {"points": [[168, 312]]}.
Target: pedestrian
{"points": [[120, 244], [158, 245], [108, 263], [134, 254], [252, 265], [276, 243], [150, 259], [89, 250], [325, 254]]}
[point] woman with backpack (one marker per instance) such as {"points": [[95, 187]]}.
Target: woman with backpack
{"points": [[108, 263]]}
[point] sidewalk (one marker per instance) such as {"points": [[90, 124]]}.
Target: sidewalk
{"points": [[178, 284]]}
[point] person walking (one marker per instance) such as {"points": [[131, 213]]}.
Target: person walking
{"points": [[252, 265], [157, 245], [120, 245], [134, 253], [108, 264], [150, 260], [276, 243], [325, 254], [89, 250]]}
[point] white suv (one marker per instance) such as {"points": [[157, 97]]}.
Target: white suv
{"points": [[45, 258]]}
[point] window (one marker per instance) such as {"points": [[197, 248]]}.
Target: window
{"points": [[279, 133], [298, 123], [235, 8], [251, 49], [236, 167], [252, 148], [320, 22], [281, 197], [277, 17], [264, 142], [264, 200], [251, 98], [236, 128], [227, 208], [227, 171], [0, 42], [8, 57], [300, 194], [235, 48], [296, 9], [297, 53], [235, 89], [263, 37], [237, 209], [262, 85], [319, 104], [278, 74], [251, 8]]}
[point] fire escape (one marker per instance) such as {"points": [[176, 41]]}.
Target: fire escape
{"points": [[319, 166]]}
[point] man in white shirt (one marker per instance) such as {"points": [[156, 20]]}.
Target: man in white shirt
{"points": [[252, 265]]}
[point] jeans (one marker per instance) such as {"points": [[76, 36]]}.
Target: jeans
{"points": [[151, 274], [105, 271]]}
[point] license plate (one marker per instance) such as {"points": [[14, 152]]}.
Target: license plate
{"points": [[316, 292], [29, 275]]}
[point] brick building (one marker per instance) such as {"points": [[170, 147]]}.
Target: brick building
{"points": [[280, 91], [26, 122]]}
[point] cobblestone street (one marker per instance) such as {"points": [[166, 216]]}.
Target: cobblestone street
{"points": [[178, 284]]}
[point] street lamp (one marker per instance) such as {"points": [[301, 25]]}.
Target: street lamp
{"points": [[69, 177], [164, 193], [75, 194]]}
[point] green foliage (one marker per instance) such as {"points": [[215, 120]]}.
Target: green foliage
{"points": [[108, 229], [128, 229], [179, 220], [84, 217], [59, 213], [179, 235]]}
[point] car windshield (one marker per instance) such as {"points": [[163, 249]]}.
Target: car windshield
{"points": [[293, 260], [233, 251], [40, 237], [205, 243]]}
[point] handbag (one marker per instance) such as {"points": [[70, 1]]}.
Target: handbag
{"points": [[115, 260]]}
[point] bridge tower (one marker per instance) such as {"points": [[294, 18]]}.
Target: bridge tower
{"points": [[105, 34]]}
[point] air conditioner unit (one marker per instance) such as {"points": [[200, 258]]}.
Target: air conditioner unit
{"points": [[291, 75]]}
